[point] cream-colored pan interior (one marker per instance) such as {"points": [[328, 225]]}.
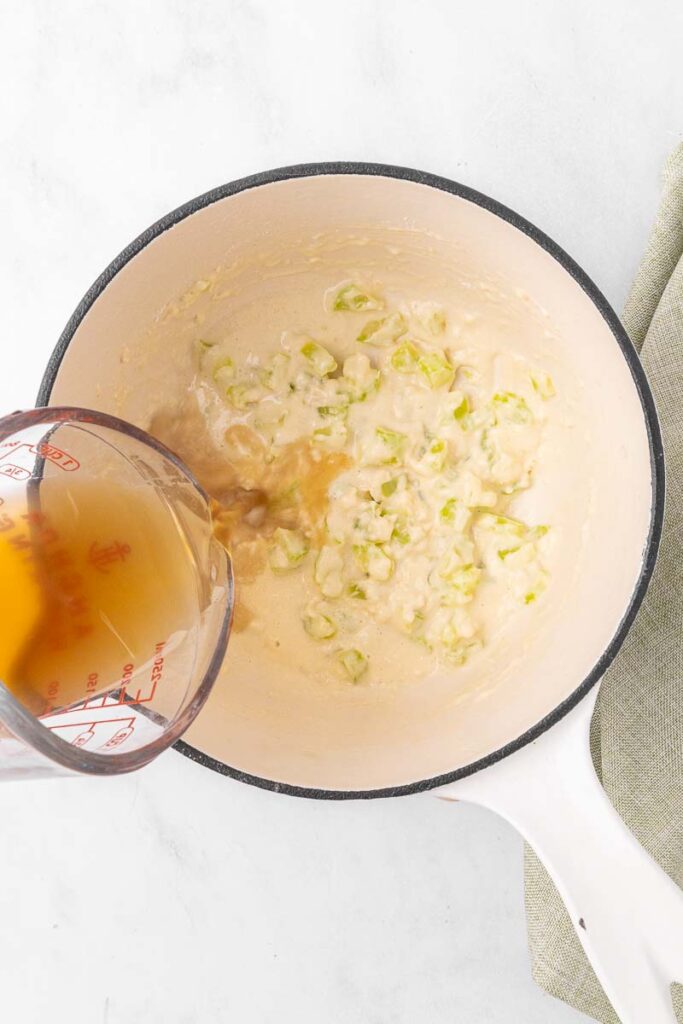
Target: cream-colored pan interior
{"points": [[131, 354]]}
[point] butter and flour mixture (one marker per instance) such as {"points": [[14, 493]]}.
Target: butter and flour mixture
{"points": [[368, 478]]}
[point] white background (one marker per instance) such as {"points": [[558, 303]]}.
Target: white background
{"points": [[178, 896]]}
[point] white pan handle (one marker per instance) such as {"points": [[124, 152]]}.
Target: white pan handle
{"points": [[626, 910]]}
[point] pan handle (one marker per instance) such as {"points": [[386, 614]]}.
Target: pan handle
{"points": [[626, 910]]}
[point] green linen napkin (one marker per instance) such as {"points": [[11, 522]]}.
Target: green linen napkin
{"points": [[637, 734]]}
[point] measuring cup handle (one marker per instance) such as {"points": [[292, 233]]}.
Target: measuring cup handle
{"points": [[626, 910]]}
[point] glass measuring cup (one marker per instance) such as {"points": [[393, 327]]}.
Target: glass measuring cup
{"points": [[115, 597]]}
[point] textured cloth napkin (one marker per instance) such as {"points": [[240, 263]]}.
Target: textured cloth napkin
{"points": [[637, 733]]}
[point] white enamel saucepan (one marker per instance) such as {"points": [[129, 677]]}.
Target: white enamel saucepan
{"points": [[519, 742]]}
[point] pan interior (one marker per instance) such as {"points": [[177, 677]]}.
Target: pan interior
{"points": [[267, 254]]}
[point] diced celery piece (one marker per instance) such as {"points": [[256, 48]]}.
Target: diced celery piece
{"points": [[361, 377], [465, 580], [243, 395], [542, 384], [460, 554], [504, 552], [435, 457], [383, 332], [502, 524], [357, 591], [332, 436], [319, 359], [318, 625], [353, 299], [488, 446], [374, 524], [536, 532], [431, 316], [276, 377], [462, 409], [460, 652], [223, 372], [389, 487], [400, 533], [392, 444], [374, 561], [539, 586], [447, 513], [513, 405], [288, 550], [436, 369], [354, 663], [333, 411], [405, 358], [328, 571]]}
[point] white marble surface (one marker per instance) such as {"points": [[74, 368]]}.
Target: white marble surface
{"points": [[178, 896]]}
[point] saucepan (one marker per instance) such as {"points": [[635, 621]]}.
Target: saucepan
{"points": [[517, 741]]}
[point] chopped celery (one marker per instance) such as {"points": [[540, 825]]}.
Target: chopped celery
{"points": [[243, 395], [328, 411], [436, 369], [389, 487], [400, 533], [383, 332], [460, 554], [465, 580], [357, 591], [538, 588], [223, 372], [353, 299], [462, 409], [277, 372], [504, 552], [460, 652], [447, 513], [328, 571], [391, 444], [542, 384], [288, 550], [374, 562], [375, 524], [536, 532], [354, 663], [319, 359], [513, 405], [333, 436], [318, 625], [405, 358], [430, 316], [502, 524], [362, 377], [435, 456]]}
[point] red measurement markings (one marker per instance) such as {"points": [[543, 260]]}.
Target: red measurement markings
{"points": [[119, 737], [83, 737], [154, 676], [47, 451], [143, 695], [15, 472], [88, 730], [103, 556], [56, 456]]}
